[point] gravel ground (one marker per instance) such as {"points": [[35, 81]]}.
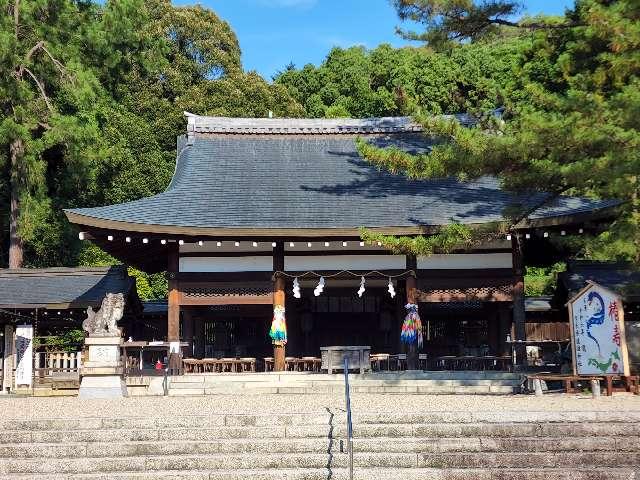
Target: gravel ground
{"points": [[66, 407]]}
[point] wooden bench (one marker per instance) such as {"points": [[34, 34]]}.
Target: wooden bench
{"points": [[569, 380], [631, 384]]}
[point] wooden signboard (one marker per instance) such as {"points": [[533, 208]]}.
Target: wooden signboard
{"points": [[596, 320]]}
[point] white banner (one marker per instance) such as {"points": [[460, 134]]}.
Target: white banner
{"points": [[24, 354]]}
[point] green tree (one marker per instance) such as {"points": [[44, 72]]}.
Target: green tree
{"points": [[92, 98], [357, 82], [448, 23], [46, 100], [569, 124]]}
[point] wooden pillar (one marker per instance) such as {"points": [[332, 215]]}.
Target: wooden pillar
{"points": [[411, 285], [519, 329], [173, 310], [278, 300]]}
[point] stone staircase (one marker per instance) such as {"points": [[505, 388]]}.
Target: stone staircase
{"points": [[441, 382], [426, 446]]}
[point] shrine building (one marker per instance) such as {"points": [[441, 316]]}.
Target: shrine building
{"points": [[259, 210]]}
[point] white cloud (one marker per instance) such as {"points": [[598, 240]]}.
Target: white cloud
{"points": [[287, 3]]}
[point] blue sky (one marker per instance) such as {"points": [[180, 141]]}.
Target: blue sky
{"points": [[273, 33]]}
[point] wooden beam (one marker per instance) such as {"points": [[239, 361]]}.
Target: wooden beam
{"points": [[226, 300], [463, 296]]}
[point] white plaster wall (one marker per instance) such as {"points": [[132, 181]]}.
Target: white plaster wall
{"points": [[344, 262], [226, 264], [465, 260]]}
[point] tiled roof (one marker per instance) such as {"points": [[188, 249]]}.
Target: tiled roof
{"points": [[538, 304], [79, 287], [283, 182], [620, 277], [307, 126]]}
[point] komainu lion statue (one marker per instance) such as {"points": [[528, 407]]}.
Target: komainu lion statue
{"points": [[103, 323]]}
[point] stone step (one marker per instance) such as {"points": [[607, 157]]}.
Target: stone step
{"points": [[313, 382], [318, 445], [220, 420], [320, 390], [506, 430], [529, 416], [316, 377], [371, 383], [322, 418], [603, 473], [249, 463]]}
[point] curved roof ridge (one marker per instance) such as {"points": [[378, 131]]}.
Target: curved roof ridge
{"points": [[307, 126]]}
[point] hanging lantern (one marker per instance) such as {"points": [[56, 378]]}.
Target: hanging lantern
{"points": [[361, 289], [392, 291], [278, 331], [412, 326], [296, 288], [319, 288]]}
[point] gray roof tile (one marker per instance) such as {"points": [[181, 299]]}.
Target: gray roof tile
{"points": [[82, 287], [314, 181]]}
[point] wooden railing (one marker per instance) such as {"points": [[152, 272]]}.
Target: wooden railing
{"points": [[57, 366]]}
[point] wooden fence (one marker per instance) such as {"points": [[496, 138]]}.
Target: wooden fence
{"points": [[57, 366]]}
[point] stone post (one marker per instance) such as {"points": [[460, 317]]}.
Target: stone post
{"points": [[103, 373]]}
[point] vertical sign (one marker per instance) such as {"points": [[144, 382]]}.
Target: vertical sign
{"points": [[24, 354], [596, 319], [7, 369]]}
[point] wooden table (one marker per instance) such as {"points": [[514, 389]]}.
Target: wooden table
{"points": [[333, 357], [473, 362], [377, 360]]}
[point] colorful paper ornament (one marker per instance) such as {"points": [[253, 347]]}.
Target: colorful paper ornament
{"points": [[278, 332], [412, 326]]}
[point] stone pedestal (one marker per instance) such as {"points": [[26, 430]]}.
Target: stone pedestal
{"points": [[103, 374]]}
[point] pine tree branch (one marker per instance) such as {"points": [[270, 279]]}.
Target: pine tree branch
{"points": [[549, 198], [534, 25], [40, 87], [61, 68], [33, 50]]}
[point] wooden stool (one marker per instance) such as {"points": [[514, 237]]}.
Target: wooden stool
{"points": [[268, 364], [247, 364]]}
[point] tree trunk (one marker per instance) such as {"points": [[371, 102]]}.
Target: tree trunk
{"points": [[15, 242]]}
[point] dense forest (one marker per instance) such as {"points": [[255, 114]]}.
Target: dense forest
{"points": [[92, 96]]}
